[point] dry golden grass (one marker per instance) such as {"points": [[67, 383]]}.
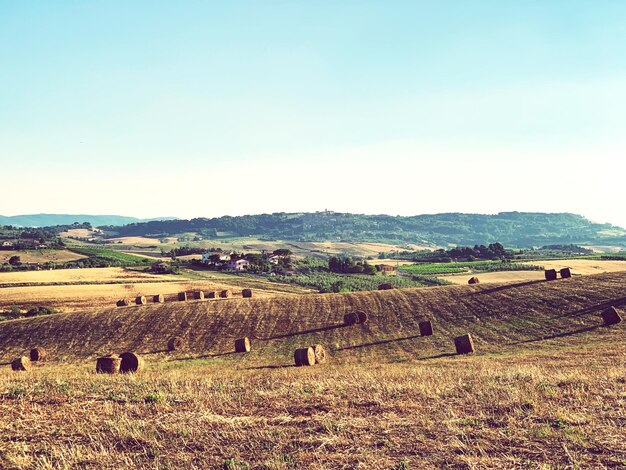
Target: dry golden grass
{"points": [[499, 276], [78, 289], [578, 267], [140, 241], [546, 389], [79, 275], [40, 256], [557, 406], [80, 233], [584, 266]]}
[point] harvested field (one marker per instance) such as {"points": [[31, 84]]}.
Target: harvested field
{"points": [[545, 388], [81, 275], [78, 289], [578, 267], [496, 316], [40, 256], [584, 266]]}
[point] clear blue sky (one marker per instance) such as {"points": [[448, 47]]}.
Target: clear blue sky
{"points": [[198, 108]]}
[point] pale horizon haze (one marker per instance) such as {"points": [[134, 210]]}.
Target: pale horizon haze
{"points": [[203, 109]]}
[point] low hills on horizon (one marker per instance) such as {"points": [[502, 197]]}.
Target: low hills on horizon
{"points": [[513, 229], [50, 220]]}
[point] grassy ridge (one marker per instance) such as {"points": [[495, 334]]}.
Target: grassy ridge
{"points": [[111, 257], [495, 316]]}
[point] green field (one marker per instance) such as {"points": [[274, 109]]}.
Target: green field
{"points": [[434, 269]]}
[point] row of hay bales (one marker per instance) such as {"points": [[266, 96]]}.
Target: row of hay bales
{"points": [[552, 274], [310, 356], [125, 363], [184, 296]]}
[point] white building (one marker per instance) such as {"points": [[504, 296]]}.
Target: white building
{"points": [[238, 264]]}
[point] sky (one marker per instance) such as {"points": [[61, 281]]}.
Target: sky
{"points": [[206, 108]]}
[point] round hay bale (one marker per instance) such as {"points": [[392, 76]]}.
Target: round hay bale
{"points": [[473, 280], [565, 273], [426, 328], [464, 344], [350, 319], [246, 293], [225, 294], [123, 303], [320, 353], [212, 295], [362, 316], [386, 286], [140, 300], [38, 354], [158, 299], [550, 274], [108, 365], [242, 345], [131, 362], [198, 295], [611, 316], [182, 296], [175, 343], [304, 357], [21, 363]]}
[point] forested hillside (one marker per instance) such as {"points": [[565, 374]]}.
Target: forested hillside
{"points": [[515, 229]]}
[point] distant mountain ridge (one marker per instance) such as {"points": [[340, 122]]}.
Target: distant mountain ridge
{"points": [[513, 229], [47, 220]]}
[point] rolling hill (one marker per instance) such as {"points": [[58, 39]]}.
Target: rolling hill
{"points": [[513, 229], [498, 317]]}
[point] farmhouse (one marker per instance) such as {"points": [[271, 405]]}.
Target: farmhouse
{"points": [[237, 264], [387, 268], [209, 257]]}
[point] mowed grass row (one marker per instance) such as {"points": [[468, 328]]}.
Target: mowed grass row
{"points": [[558, 404]]}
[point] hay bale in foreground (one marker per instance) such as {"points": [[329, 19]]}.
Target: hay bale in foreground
{"points": [[386, 286], [21, 364], [565, 273], [108, 365], [141, 300], [175, 343], [38, 355], [198, 295], [550, 274], [362, 316], [320, 353], [611, 316], [350, 319], [158, 299], [131, 362], [464, 344], [473, 280], [246, 293], [212, 295], [304, 357], [426, 328], [242, 345], [123, 303], [182, 296], [225, 294]]}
